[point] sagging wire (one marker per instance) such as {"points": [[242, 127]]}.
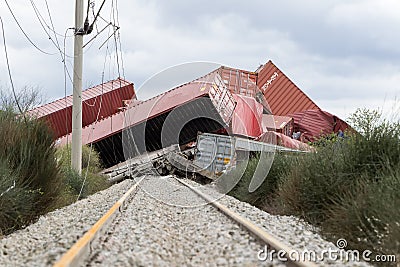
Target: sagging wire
{"points": [[94, 124], [52, 25], [115, 37], [66, 72], [98, 33], [116, 28], [24, 33], [108, 54], [119, 39], [42, 21], [100, 107], [9, 71]]}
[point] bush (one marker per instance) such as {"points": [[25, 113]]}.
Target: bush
{"points": [[80, 186], [28, 147], [315, 182], [369, 217], [28, 159], [34, 179], [90, 158], [265, 192], [351, 186], [17, 202]]}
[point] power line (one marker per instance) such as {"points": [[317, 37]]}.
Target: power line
{"points": [[42, 21], [52, 28], [9, 70], [113, 15], [26, 35], [94, 24], [98, 33], [122, 58], [98, 13], [119, 40], [97, 118], [62, 53], [94, 15], [65, 82], [100, 105], [52, 25]]}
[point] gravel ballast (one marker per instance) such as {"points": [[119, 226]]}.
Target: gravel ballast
{"points": [[164, 224], [41, 243]]}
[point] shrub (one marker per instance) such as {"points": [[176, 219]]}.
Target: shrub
{"points": [[90, 158], [17, 202], [96, 182], [351, 186], [84, 184], [369, 217], [79, 186], [28, 158], [315, 182], [265, 192], [43, 178], [33, 178]]}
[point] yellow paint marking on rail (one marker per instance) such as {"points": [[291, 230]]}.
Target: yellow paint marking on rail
{"points": [[73, 256], [250, 226]]}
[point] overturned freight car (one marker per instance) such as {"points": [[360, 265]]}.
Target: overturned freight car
{"points": [[174, 117]]}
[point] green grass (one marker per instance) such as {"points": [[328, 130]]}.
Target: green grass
{"points": [[86, 183], [349, 188], [28, 159], [17, 201], [35, 176], [265, 193]]}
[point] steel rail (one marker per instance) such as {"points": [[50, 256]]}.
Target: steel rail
{"points": [[257, 231], [81, 249]]}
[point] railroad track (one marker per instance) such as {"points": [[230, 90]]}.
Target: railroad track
{"points": [[81, 249], [257, 231], [80, 252]]}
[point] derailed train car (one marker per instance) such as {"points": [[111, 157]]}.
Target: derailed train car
{"points": [[205, 112], [174, 117], [226, 102], [213, 155], [209, 126]]}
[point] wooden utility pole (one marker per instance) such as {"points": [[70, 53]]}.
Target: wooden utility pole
{"points": [[76, 147]]}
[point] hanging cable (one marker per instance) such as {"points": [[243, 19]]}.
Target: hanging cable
{"points": [[98, 13], [94, 124], [26, 35], [119, 40], [107, 54], [115, 37], [98, 33], [94, 15], [62, 53], [66, 72], [9, 70], [52, 25], [42, 22]]}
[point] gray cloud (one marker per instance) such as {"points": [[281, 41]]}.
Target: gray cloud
{"points": [[343, 54]]}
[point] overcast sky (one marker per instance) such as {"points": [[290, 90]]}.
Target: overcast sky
{"points": [[343, 54]]}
